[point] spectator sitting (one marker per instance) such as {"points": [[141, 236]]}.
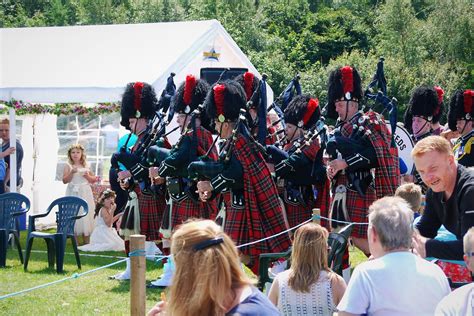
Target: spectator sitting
{"points": [[449, 202], [411, 193], [209, 279], [105, 237], [309, 286], [461, 301], [391, 283]]}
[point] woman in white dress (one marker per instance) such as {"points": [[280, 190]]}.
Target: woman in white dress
{"points": [[79, 177], [105, 237]]}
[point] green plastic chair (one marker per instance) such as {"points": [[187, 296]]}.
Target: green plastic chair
{"points": [[67, 213], [12, 205]]}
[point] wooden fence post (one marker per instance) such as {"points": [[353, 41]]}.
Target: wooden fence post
{"points": [[137, 281], [316, 216]]}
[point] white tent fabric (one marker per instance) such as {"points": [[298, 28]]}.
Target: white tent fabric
{"points": [[86, 64], [94, 63]]}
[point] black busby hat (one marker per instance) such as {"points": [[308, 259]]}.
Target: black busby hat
{"points": [[138, 101], [461, 107], [344, 83], [303, 111], [190, 94], [224, 101], [251, 85], [426, 102]]}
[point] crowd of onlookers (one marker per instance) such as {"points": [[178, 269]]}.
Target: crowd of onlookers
{"points": [[209, 279], [398, 278]]}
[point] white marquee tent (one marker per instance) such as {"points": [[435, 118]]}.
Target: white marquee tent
{"points": [[91, 64]]}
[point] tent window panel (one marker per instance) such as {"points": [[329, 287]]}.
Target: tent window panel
{"points": [[99, 142], [112, 120]]}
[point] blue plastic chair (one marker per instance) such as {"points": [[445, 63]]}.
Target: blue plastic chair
{"points": [[67, 213], [12, 205]]}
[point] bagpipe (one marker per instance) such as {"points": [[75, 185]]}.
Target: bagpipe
{"points": [[209, 169], [157, 154], [135, 161], [281, 102], [389, 104], [357, 142], [278, 156]]}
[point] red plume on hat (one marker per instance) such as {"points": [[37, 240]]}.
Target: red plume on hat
{"points": [[189, 86], [468, 99], [137, 102], [219, 90], [440, 93], [248, 84], [347, 81], [312, 106]]}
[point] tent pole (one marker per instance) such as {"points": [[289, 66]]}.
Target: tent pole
{"points": [[97, 147]]}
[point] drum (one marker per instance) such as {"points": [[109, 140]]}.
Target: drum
{"points": [[405, 144]]}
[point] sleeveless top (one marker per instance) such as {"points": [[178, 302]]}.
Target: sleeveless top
{"points": [[318, 301]]}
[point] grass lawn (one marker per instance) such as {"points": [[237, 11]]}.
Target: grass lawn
{"points": [[89, 294]]}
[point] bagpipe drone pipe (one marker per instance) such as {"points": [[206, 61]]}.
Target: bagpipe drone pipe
{"points": [[204, 167], [281, 158], [157, 154], [381, 97]]}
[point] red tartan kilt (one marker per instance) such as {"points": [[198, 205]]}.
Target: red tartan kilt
{"points": [[233, 225], [358, 209], [187, 208], [297, 214], [236, 226], [151, 213], [323, 201]]}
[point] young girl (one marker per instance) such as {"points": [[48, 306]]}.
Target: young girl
{"points": [[309, 285], [105, 237], [78, 176]]}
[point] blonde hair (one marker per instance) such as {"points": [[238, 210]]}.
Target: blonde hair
{"points": [[432, 143], [83, 156], [205, 279], [5, 121], [411, 193], [309, 256]]}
